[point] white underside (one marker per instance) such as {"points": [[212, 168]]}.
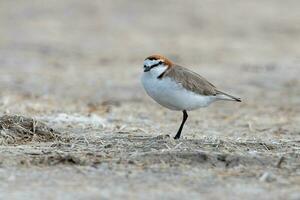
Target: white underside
{"points": [[171, 94]]}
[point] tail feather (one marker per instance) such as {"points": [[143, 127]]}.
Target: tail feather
{"points": [[228, 97]]}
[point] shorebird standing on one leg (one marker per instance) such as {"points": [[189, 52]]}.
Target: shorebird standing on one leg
{"points": [[178, 88]]}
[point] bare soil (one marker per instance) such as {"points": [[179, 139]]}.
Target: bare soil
{"points": [[76, 123]]}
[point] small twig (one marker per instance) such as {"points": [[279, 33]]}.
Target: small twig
{"points": [[87, 142], [167, 146], [265, 146], [34, 125], [178, 145], [280, 161]]}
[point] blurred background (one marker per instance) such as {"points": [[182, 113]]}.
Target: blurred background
{"points": [[76, 65], [83, 49]]}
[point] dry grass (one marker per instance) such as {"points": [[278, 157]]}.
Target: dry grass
{"points": [[72, 68], [20, 130]]}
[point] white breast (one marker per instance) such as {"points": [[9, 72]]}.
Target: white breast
{"points": [[171, 94]]}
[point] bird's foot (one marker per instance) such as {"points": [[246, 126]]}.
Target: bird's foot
{"points": [[176, 137]]}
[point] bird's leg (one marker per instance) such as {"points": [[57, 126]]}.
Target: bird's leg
{"points": [[185, 116]]}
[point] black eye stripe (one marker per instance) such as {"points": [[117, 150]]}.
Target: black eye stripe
{"points": [[159, 63], [155, 65]]}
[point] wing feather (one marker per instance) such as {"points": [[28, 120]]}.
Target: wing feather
{"points": [[191, 80]]}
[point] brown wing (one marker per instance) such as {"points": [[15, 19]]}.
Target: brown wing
{"points": [[191, 80]]}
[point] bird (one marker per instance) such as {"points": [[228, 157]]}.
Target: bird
{"points": [[178, 88]]}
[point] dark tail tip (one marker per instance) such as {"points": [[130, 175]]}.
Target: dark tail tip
{"points": [[238, 99]]}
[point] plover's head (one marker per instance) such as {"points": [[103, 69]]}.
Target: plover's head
{"points": [[156, 62]]}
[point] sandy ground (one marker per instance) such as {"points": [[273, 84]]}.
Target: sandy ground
{"points": [[75, 66]]}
